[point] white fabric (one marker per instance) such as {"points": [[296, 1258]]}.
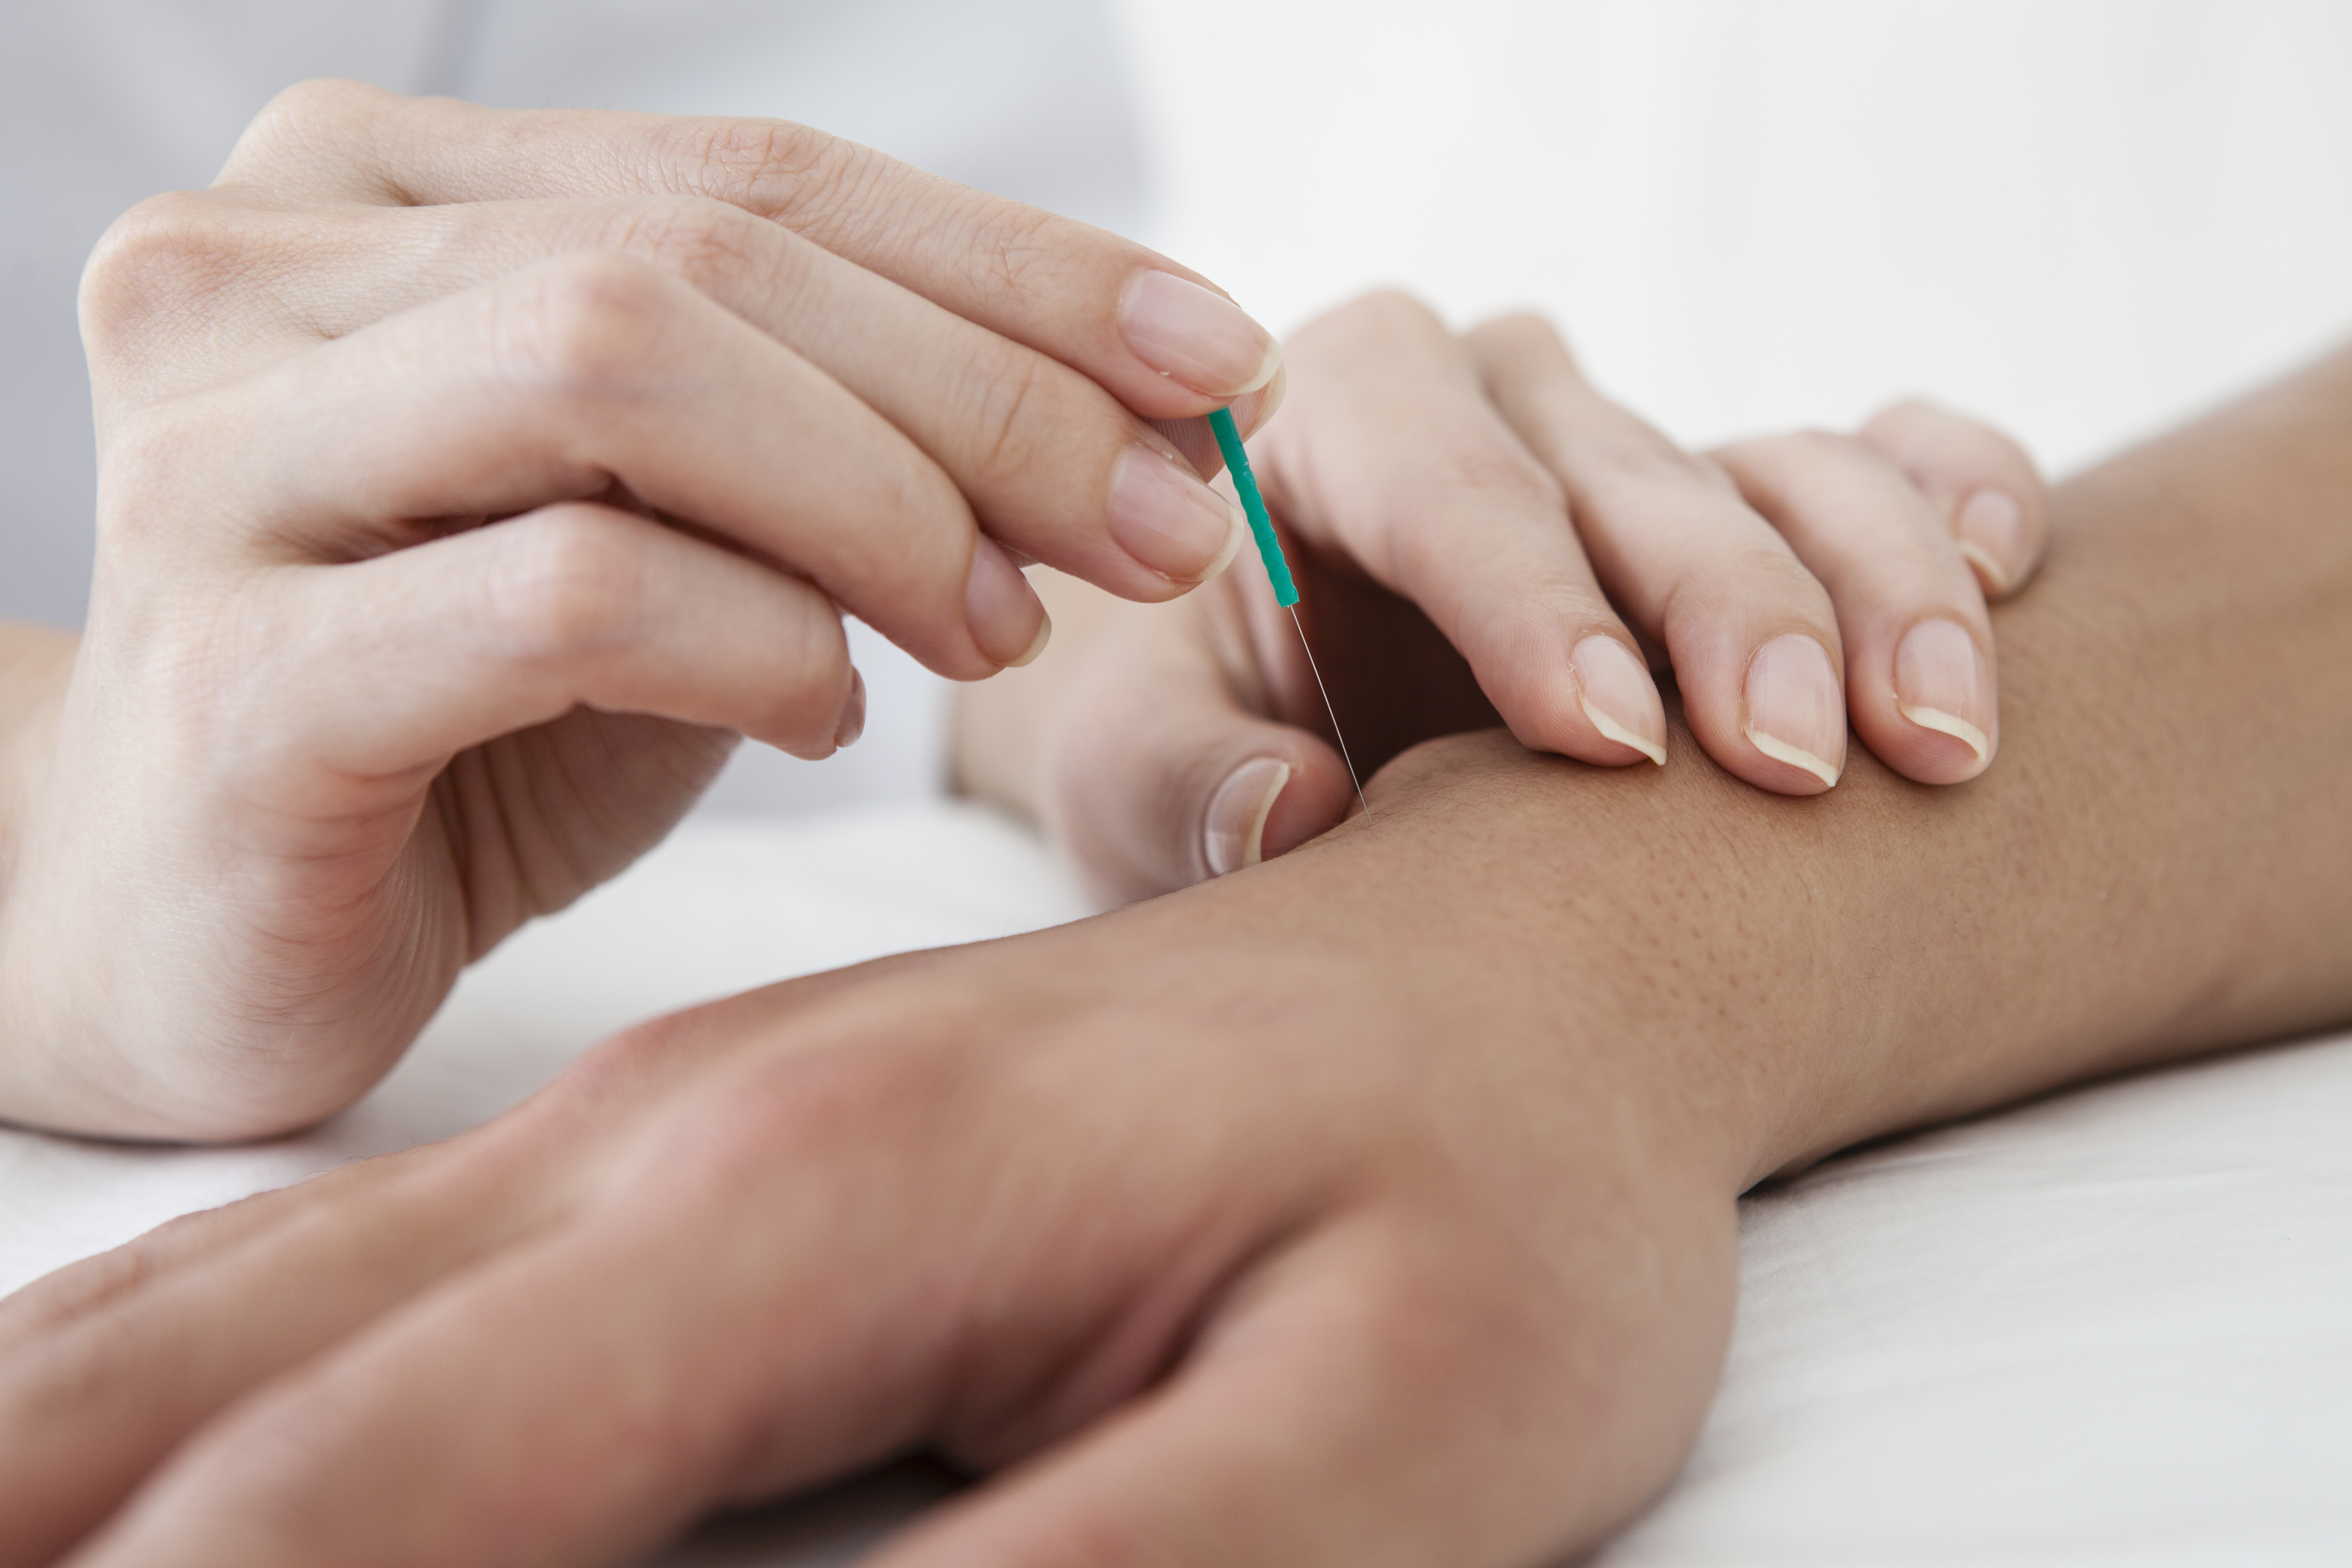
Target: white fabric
{"points": [[2112, 1328]]}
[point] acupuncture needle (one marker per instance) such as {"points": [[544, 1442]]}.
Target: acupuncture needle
{"points": [[1277, 571]]}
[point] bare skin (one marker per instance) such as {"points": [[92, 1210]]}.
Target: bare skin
{"points": [[470, 481], [1372, 1205], [1456, 505]]}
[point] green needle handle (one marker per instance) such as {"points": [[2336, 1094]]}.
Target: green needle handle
{"points": [[1269, 548]]}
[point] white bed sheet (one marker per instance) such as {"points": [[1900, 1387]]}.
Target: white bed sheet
{"points": [[2112, 1328]]}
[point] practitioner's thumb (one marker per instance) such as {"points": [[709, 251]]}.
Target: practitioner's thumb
{"points": [[1154, 790]]}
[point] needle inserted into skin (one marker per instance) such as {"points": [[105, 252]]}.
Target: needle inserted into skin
{"points": [[1277, 571], [1334, 712]]}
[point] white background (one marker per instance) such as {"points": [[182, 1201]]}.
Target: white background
{"points": [[2081, 218]]}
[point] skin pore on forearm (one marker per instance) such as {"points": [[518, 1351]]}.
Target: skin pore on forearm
{"points": [[2158, 865]]}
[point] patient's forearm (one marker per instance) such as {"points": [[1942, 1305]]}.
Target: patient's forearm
{"points": [[2177, 817], [2160, 864]]}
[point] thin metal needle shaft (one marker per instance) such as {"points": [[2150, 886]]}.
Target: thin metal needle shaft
{"points": [[1334, 712], [1277, 571]]}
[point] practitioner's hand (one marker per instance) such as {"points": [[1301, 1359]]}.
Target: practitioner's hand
{"points": [[468, 480], [1244, 1249], [1469, 519]]}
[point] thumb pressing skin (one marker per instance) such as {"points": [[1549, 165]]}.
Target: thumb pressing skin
{"points": [[1162, 775]]}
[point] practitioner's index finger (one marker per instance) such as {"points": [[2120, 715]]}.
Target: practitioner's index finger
{"points": [[1157, 335]]}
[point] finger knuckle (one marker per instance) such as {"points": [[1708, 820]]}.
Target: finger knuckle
{"points": [[1475, 474], [1905, 412], [839, 1103], [320, 105], [1010, 248], [1424, 515], [585, 327], [1813, 443], [1384, 315], [1766, 562], [1005, 385], [1781, 464], [325, 117], [564, 585], [157, 262], [711, 245], [777, 168], [1623, 457], [1524, 330], [1718, 582]]}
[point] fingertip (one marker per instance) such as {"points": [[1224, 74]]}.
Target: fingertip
{"points": [[1273, 802], [1195, 336], [1807, 773], [1168, 521], [1948, 765], [1194, 442], [1796, 717], [1944, 693], [1991, 528], [1253, 410], [1233, 828], [852, 723], [1621, 701], [1985, 484], [1007, 620]]}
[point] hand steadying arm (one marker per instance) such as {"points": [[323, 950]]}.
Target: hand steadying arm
{"points": [[2168, 869]]}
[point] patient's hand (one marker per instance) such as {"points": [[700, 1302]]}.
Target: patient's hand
{"points": [[1240, 1244], [468, 479], [1372, 1205], [1469, 519]]}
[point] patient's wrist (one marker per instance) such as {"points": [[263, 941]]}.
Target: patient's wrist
{"points": [[2162, 866]]}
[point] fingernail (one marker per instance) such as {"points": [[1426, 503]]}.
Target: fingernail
{"points": [[1941, 682], [1232, 833], [1991, 531], [1252, 410], [1619, 696], [1170, 521], [1006, 619], [1196, 336], [853, 713], [1796, 712]]}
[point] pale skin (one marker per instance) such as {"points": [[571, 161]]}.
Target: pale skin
{"points": [[1228, 1234], [471, 480], [705, 397], [1457, 506]]}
